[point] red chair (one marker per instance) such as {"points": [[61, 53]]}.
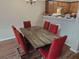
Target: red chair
{"points": [[53, 28], [20, 40], [55, 49], [27, 24], [46, 25]]}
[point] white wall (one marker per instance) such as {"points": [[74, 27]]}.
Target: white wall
{"points": [[13, 12]]}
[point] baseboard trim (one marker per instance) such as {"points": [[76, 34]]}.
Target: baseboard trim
{"points": [[76, 51], [7, 38], [67, 44]]}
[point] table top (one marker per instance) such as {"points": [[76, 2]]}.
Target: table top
{"points": [[38, 36]]}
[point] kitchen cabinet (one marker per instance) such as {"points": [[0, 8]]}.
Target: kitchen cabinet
{"points": [[52, 7], [67, 7], [74, 7], [64, 6]]}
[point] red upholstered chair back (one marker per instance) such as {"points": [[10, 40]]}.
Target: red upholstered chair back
{"points": [[56, 47], [46, 25], [19, 39], [53, 28], [27, 24]]}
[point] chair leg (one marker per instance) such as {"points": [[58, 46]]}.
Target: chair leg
{"points": [[18, 50], [39, 56]]}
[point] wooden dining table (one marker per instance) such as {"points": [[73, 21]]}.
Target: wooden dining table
{"points": [[38, 36]]}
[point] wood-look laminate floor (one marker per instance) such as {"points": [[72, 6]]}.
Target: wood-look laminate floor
{"points": [[10, 44]]}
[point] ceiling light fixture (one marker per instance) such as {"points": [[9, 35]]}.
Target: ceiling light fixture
{"points": [[31, 1]]}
